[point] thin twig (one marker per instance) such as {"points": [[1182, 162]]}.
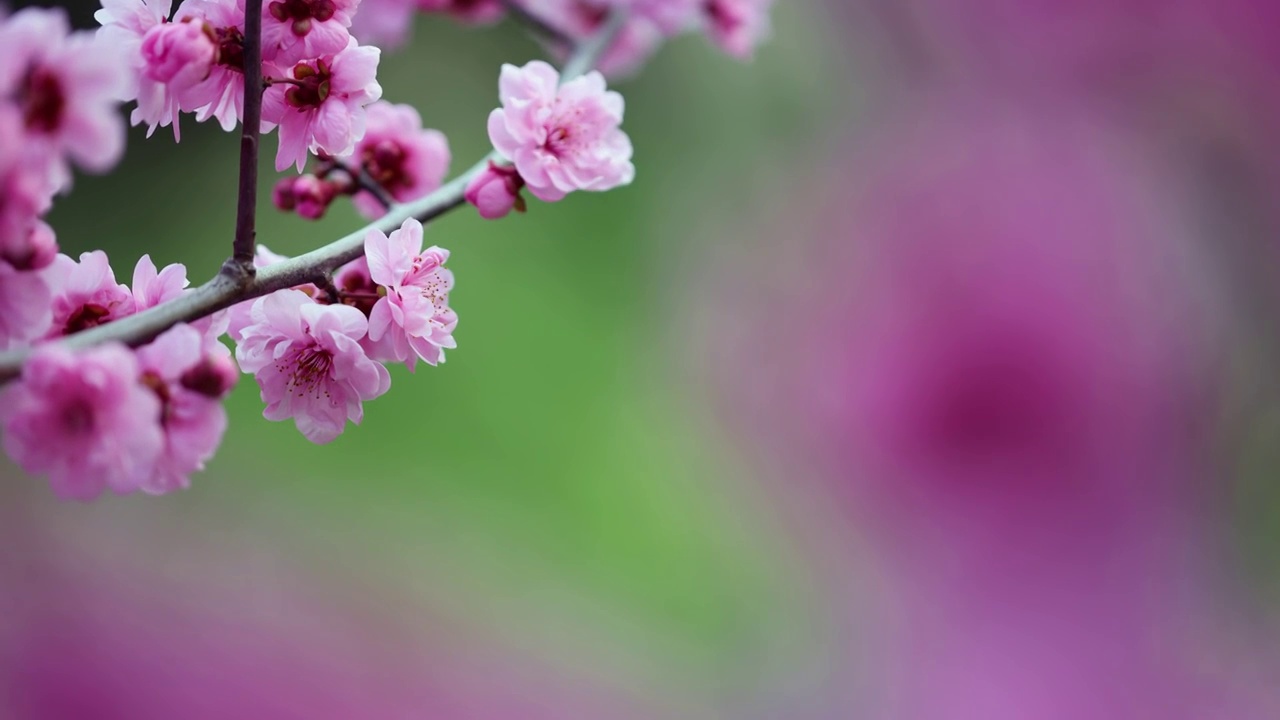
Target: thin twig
{"points": [[240, 267], [522, 15], [224, 291]]}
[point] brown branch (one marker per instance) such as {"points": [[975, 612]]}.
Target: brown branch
{"points": [[240, 266]]}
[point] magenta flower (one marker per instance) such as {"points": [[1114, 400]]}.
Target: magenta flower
{"points": [[24, 306], [82, 419], [150, 288], [309, 364], [85, 293], [562, 138], [413, 321], [406, 160], [295, 30], [66, 86], [185, 370], [738, 26], [321, 107], [495, 191], [307, 195]]}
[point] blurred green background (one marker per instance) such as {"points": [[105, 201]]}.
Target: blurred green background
{"points": [[562, 487]]}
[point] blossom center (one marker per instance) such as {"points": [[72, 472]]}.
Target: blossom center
{"points": [[300, 13], [86, 316], [77, 417], [43, 100], [230, 44], [310, 85], [385, 162], [308, 370]]}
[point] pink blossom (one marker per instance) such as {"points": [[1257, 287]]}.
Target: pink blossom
{"points": [[495, 191], [738, 26], [413, 321], [150, 288], [82, 419], [85, 293], [323, 108], [183, 367], [670, 16], [406, 160], [294, 30], [66, 87], [221, 95], [24, 306], [561, 138], [309, 364]]}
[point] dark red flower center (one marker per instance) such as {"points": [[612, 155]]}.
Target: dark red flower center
{"points": [[43, 100], [87, 316], [77, 417], [230, 43], [300, 13], [310, 86], [385, 163]]}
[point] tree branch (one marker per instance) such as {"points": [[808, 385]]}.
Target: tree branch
{"points": [[225, 290], [240, 267]]}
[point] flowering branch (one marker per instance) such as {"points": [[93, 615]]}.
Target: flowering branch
{"points": [[226, 289]]}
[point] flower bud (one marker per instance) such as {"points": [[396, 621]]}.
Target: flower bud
{"points": [[178, 52], [496, 191]]}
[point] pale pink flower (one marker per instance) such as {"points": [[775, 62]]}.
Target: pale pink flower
{"points": [[495, 191], [221, 95], [413, 321], [82, 419], [406, 160], [24, 306], [309, 364], [322, 108], [66, 86], [182, 368], [85, 293], [738, 26], [562, 138], [294, 30], [150, 288]]}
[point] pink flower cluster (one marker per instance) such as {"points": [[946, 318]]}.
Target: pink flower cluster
{"points": [[319, 80], [110, 417], [146, 419], [396, 153], [559, 138], [736, 26], [317, 354]]}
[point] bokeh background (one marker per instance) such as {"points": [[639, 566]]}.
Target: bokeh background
{"points": [[926, 371]]}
